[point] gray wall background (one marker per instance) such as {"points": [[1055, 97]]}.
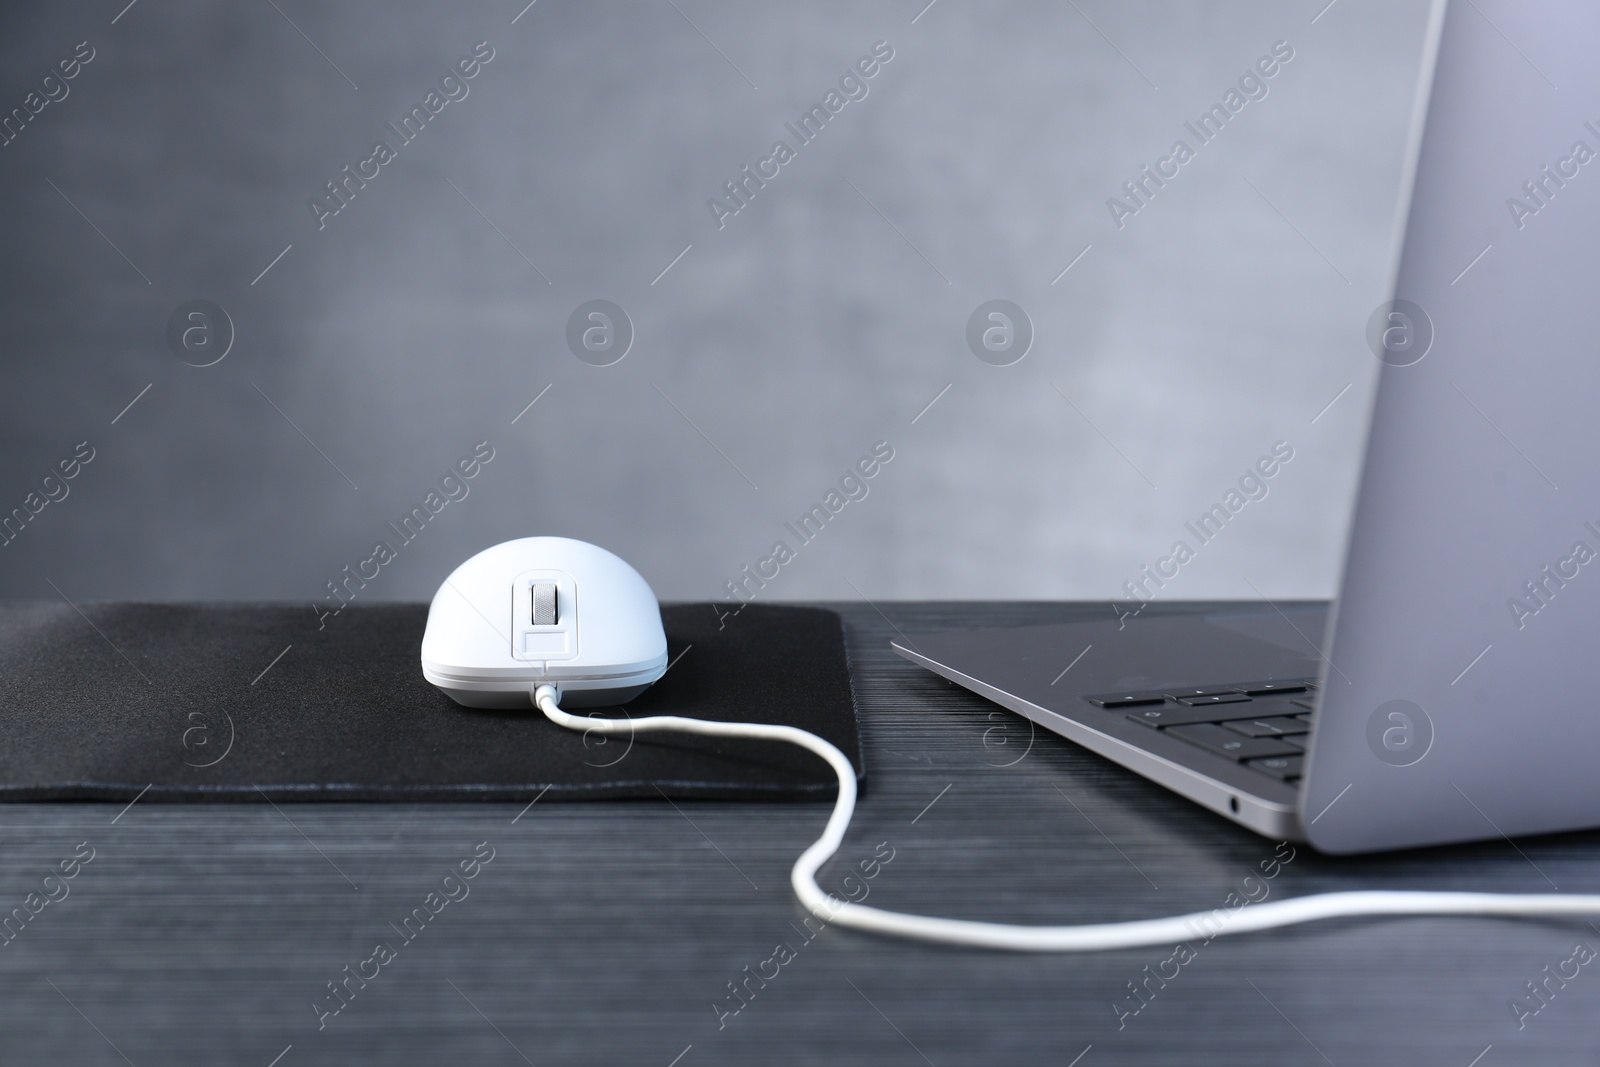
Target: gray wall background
{"points": [[822, 318]]}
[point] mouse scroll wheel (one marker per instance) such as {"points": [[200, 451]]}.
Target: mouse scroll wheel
{"points": [[544, 604]]}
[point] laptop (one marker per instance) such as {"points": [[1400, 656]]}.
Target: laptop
{"points": [[1450, 693]]}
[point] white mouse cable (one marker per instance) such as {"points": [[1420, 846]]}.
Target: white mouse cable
{"points": [[1085, 938]]}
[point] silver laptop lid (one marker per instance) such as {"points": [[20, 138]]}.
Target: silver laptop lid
{"points": [[1459, 699]]}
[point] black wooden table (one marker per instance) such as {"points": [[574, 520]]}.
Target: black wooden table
{"points": [[616, 933]]}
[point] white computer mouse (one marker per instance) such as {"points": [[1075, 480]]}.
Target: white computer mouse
{"points": [[543, 610]]}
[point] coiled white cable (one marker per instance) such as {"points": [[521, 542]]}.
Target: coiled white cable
{"points": [[1084, 938]]}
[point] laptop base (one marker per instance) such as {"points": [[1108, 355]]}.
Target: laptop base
{"points": [[1050, 673]]}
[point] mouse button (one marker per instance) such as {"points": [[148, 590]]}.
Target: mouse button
{"points": [[547, 644]]}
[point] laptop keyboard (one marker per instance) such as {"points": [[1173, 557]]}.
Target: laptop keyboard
{"points": [[1263, 725]]}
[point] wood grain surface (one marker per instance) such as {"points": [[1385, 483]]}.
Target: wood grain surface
{"points": [[609, 932]]}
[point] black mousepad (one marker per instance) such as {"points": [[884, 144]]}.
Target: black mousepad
{"points": [[198, 702]]}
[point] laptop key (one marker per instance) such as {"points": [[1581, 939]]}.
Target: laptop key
{"points": [[1202, 691], [1276, 726], [1227, 743], [1283, 768], [1308, 703], [1206, 699], [1126, 700], [1176, 715], [1256, 689]]}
